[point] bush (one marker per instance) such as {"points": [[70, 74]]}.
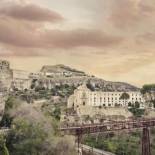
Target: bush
{"points": [[11, 104], [3, 148], [147, 88], [34, 133], [57, 113], [137, 112]]}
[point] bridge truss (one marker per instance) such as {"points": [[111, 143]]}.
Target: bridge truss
{"points": [[112, 126]]}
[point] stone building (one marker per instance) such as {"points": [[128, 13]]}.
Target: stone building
{"points": [[36, 75], [60, 70], [4, 65], [83, 96], [21, 80]]}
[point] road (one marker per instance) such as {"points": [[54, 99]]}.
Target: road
{"points": [[95, 151]]}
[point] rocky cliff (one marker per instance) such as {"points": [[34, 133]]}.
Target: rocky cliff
{"points": [[5, 83], [5, 74], [60, 74]]}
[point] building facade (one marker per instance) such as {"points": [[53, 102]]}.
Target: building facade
{"points": [[21, 80], [83, 96]]}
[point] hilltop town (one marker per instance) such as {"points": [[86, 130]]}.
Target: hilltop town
{"points": [[74, 88], [48, 76], [60, 96]]}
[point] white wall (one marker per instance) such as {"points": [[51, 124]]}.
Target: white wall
{"points": [[82, 95]]}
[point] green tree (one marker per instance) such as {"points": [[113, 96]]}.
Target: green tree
{"points": [[137, 105], [11, 104], [90, 86], [125, 96], [3, 148], [26, 138], [147, 88], [57, 113]]}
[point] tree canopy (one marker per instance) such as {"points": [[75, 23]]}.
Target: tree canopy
{"points": [[147, 88], [125, 96]]}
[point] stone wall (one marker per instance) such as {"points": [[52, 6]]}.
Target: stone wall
{"points": [[92, 111]]}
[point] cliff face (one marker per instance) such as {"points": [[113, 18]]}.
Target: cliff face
{"points": [[5, 83], [5, 75], [60, 74]]}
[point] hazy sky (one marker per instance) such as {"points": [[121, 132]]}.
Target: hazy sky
{"points": [[113, 39]]}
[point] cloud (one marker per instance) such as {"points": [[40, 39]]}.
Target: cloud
{"points": [[130, 13], [81, 37], [30, 12], [29, 35]]}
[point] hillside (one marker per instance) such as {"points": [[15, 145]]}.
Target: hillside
{"points": [[62, 70], [61, 74]]}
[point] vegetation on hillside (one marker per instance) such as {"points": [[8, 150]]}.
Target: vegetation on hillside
{"points": [[33, 131], [147, 88], [3, 148], [63, 90], [120, 143], [136, 111]]}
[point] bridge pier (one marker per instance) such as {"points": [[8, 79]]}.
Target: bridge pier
{"points": [[146, 142], [79, 138], [109, 126]]}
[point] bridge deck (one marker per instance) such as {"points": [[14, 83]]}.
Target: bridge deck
{"points": [[108, 126]]}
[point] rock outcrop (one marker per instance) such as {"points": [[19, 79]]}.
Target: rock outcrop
{"points": [[5, 83], [60, 74]]}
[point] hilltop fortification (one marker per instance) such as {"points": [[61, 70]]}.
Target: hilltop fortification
{"points": [[61, 74]]}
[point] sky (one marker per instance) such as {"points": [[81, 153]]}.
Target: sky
{"points": [[112, 39]]}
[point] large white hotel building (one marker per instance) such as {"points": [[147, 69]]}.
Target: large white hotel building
{"points": [[83, 96]]}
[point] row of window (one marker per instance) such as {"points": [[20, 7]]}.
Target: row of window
{"points": [[108, 94], [111, 104], [101, 99]]}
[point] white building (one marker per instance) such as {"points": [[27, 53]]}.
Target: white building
{"points": [[21, 80], [83, 96], [36, 75]]}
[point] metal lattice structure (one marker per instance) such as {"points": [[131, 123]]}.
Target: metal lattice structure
{"points": [[109, 126]]}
